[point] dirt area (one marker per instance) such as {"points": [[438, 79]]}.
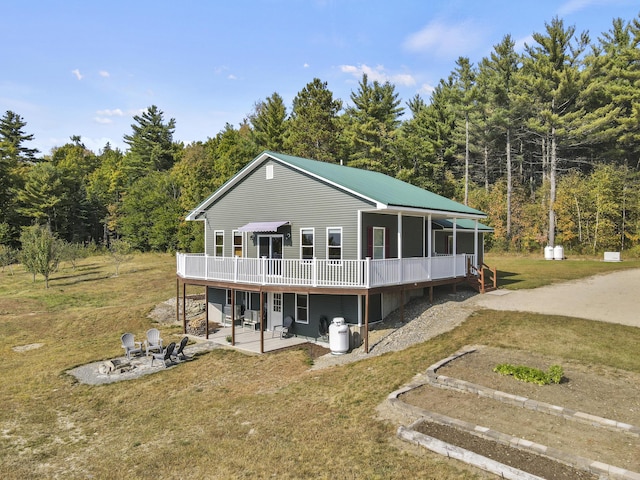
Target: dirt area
{"points": [[603, 392]]}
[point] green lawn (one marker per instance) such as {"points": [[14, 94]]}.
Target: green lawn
{"points": [[226, 414]]}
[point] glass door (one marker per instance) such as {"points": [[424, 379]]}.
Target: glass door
{"points": [[270, 246]]}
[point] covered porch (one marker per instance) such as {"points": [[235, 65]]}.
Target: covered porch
{"points": [[250, 341]]}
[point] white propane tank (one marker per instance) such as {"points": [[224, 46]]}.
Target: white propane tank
{"points": [[548, 252], [338, 336], [558, 253]]}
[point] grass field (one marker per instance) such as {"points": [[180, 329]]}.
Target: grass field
{"points": [[226, 414]]}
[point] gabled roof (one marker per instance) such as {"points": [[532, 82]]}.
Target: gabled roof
{"points": [[385, 191]]}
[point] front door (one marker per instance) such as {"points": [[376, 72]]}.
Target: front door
{"points": [[270, 246], [274, 309]]}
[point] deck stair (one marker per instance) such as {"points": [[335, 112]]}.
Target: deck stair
{"points": [[483, 279]]}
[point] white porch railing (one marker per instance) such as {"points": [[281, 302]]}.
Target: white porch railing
{"points": [[322, 273]]}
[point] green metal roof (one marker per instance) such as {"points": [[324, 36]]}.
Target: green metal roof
{"points": [[376, 186], [463, 224]]}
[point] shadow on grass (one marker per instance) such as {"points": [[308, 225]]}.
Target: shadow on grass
{"points": [[506, 278]]}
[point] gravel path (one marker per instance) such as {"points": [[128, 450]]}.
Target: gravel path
{"points": [[422, 322]]}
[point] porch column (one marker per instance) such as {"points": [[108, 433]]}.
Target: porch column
{"points": [[400, 272], [366, 323], [184, 307], [261, 317], [206, 312], [233, 316], [475, 245], [429, 246], [455, 244], [429, 235], [400, 235]]}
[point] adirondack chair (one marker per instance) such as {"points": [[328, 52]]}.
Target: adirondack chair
{"points": [[130, 345], [164, 355], [154, 342], [179, 353]]}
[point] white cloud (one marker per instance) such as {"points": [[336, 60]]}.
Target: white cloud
{"points": [[103, 120], [77, 73], [379, 74], [231, 76], [445, 40], [104, 74], [116, 112], [426, 90], [306, 65]]}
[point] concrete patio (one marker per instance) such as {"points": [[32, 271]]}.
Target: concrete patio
{"points": [[248, 340]]}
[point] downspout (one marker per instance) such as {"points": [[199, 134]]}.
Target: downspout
{"points": [[429, 245]]}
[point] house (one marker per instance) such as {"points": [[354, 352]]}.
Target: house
{"points": [[293, 237]]}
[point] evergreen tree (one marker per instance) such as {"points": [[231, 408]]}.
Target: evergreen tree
{"points": [[371, 126], [499, 73], [150, 145], [551, 81], [269, 123], [313, 127], [12, 138]]}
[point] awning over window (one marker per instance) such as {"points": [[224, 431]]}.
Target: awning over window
{"points": [[262, 226]]}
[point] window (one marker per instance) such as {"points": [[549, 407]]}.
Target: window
{"points": [[334, 243], [277, 302], [302, 308], [237, 243], [269, 172], [307, 249], [378, 243], [218, 243]]}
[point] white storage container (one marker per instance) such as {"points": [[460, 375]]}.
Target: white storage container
{"points": [[548, 253], [338, 336], [558, 253]]}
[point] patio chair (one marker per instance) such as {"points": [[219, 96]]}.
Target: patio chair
{"points": [[284, 328], [164, 355], [179, 353], [154, 342], [130, 345]]}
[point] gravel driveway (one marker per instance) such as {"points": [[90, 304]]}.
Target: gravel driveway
{"points": [[609, 297]]}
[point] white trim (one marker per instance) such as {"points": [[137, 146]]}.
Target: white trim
{"points": [[313, 245], [341, 243], [235, 233], [306, 308], [384, 243], [215, 243]]}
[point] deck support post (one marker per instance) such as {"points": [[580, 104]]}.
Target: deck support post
{"points": [[366, 323], [233, 316], [261, 320], [431, 294], [206, 312], [184, 307]]}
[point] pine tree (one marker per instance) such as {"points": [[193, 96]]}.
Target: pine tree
{"points": [[269, 123], [313, 127], [150, 144]]}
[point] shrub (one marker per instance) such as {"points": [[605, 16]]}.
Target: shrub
{"points": [[531, 375]]}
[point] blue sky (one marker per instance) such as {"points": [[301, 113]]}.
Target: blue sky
{"points": [[86, 67]]}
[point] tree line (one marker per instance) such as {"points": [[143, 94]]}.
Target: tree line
{"points": [[546, 142]]}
